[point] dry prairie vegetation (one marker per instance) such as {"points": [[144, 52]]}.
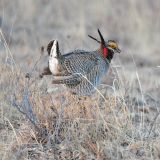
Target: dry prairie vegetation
{"points": [[120, 121]]}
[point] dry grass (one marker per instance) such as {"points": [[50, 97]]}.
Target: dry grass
{"points": [[58, 126], [120, 121]]}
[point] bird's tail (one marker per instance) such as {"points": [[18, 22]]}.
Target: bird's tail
{"points": [[53, 49]]}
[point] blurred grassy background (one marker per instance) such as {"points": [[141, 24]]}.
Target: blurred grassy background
{"points": [[135, 24]]}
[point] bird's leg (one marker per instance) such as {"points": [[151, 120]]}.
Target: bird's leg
{"points": [[46, 71]]}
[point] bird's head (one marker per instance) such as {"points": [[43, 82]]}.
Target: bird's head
{"points": [[112, 45], [107, 48]]}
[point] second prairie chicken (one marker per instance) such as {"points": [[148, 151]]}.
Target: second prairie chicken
{"points": [[80, 71]]}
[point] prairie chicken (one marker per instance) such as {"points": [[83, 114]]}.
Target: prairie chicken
{"points": [[80, 71]]}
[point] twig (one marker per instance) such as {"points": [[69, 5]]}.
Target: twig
{"points": [[13, 130], [154, 121], [28, 75], [8, 50]]}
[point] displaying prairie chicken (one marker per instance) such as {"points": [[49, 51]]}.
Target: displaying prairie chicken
{"points": [[80, 71]]}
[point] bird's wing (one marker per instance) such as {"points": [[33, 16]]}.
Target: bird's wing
{"points": [[68, 80], [80, 62], [79, 65]]}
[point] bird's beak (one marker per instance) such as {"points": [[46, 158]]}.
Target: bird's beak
{"points": [[118, 50]]}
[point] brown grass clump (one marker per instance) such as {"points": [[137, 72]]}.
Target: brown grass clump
{"points": [[59, 126]]}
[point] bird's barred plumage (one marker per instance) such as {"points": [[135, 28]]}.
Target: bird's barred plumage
{"points": [[80, 71], [87, 70]]}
